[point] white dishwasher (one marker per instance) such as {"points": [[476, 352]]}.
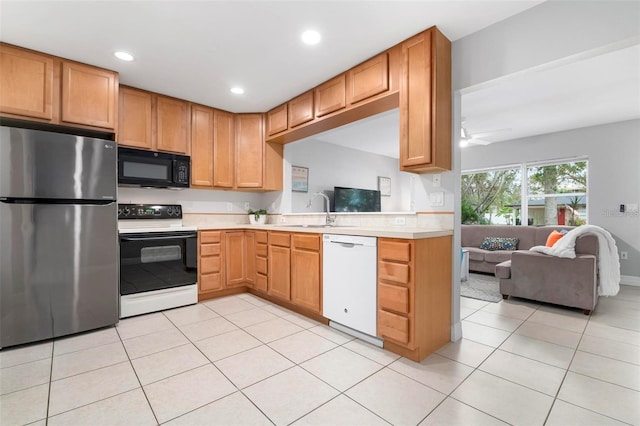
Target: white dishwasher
{"points": [[349, 282]]}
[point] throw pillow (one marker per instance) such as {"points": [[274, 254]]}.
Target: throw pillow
{"points": [[499, 243], [553, 238]]}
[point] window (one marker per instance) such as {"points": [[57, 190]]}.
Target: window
{"points": [[555, 193]]}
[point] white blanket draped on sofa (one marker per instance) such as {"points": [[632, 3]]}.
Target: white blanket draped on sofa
{"points": [[608, 262]]}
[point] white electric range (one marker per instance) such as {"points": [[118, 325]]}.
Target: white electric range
{"points": [[158, 259]]}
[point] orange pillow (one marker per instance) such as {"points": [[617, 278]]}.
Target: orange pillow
{"points": [[553, 238]]}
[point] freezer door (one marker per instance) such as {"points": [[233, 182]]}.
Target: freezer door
{"points": [[38, 164], [58, 270]]}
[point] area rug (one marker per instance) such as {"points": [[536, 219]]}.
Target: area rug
{"points": [[482, 287]]}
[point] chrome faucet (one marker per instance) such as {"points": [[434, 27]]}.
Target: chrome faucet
{"points": [[331, 220]]}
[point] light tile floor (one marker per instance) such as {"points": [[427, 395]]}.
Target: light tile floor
{"points": [[242, 360]]}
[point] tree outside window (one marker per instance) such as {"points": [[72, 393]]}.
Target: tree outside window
{"points": [[556, 194]]}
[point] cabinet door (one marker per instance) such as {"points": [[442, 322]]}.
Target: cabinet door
{"points": [[301, 109], [277, 120], [425, 103], [249, 151], [250, 257], [89, 95], [279, 280], [368, 79], [172, 125], [234, 248], [223, 149], [201, 146], [305, 279], [26, 80], [330, 96], [134, 118]]}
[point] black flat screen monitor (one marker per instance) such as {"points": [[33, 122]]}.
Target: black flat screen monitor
{"points": [[356, 200]]}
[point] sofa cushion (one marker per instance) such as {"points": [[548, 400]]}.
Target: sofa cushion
{"points": [[503, 270], [476, 254], [499, 243], [498, 256]]}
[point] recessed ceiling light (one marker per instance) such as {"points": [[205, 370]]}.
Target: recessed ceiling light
{"points": [[237, 90], [311, 37], [124, 56]]}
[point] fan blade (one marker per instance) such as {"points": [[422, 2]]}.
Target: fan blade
{"points": [[478, 141], [489, 132]]}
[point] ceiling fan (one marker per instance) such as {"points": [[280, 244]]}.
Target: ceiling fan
{"points": [[467, 138]]}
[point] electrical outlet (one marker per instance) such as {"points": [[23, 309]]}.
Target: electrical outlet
{"points": [[399, 221], [229, 207], [624, 255], [247, 205], [283, 219]]}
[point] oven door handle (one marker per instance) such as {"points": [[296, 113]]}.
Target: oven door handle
{"points": [[157, 237]]}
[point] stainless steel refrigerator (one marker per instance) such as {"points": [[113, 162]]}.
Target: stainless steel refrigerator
{"points": [[58, 235]]}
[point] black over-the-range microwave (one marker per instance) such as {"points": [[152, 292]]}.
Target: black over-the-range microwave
{"points": [[138, 167]]}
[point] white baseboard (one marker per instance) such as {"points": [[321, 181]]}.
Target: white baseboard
{"points": [[630, 280]]}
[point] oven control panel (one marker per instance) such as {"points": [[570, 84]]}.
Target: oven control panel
{"points": [[149, 211]]}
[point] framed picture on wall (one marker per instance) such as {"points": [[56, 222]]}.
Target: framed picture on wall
{"points": [[384, 186], [299, 179]]}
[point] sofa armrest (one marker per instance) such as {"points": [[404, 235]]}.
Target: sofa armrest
{"points": [[568, 282]]}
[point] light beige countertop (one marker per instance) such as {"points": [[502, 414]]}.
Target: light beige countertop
{"points": [[386, 232]]}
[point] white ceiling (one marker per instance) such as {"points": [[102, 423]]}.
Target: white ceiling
{"points": [[197, 50]]}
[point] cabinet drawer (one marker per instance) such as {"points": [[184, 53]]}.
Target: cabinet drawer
{"points": [[279, 239], [261, 237], [395, 272], [393, 298], [394, 250], [209, 249], [261, 282], [261, 250], [210, 282], [261, 265], [209, 236], [306, 241], [209, 264], [392, 326]]}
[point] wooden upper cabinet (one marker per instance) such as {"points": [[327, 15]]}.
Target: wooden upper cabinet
{"points": [[223, 149], [330, 96], [26, 83], [425, 103], [134, 118], [301, 109], [249, 151], [277, 120], [172, 124], [368, 79], [89, 95], [202, 146]]}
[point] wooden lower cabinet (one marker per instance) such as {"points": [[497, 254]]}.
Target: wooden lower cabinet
{"points": [[306, 269], [414, 295], [209, 262], [235, 258], [279, 265], [261, 263]]}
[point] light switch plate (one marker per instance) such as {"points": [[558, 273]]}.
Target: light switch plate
{"points": [[436, 198], [437, 180]]}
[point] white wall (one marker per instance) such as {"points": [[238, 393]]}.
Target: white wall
{"points": [[613, 151], [194, 200], [332, 165]]}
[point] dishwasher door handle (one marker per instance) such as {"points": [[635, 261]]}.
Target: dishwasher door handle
{"points": [[346, 245]]}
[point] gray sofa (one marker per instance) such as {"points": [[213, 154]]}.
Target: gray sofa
{"points": [[532, 275]]}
